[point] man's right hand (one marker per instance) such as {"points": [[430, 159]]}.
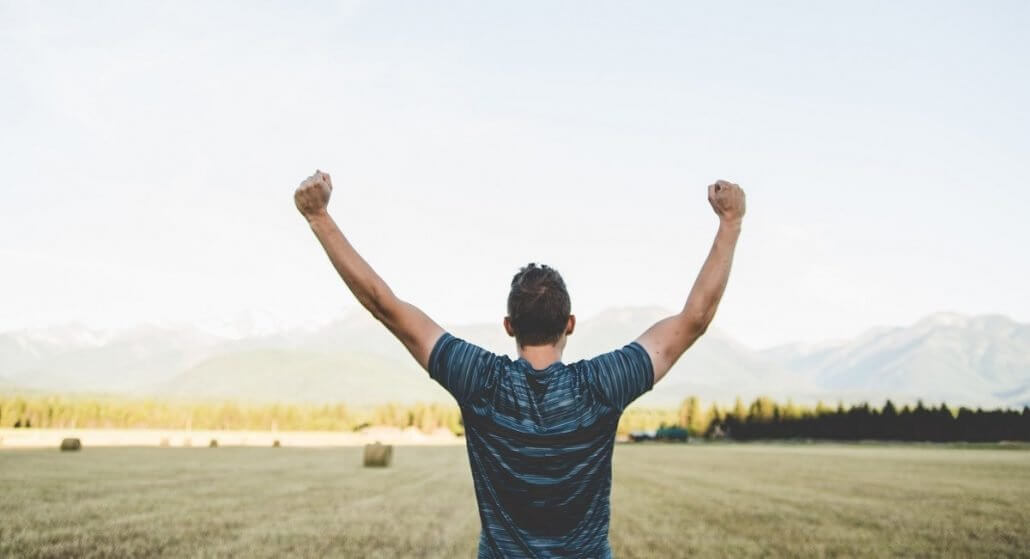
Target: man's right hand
{"points": [[312, 196], [727, 200]]}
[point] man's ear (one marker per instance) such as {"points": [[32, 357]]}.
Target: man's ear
{"points": [[507, 326], [571, 325]]}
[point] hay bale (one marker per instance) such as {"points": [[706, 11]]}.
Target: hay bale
{"points": [[275, 444], [71, 444], [378, 455], [213, 443], [165, 442]]}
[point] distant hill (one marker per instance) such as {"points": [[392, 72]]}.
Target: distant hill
{"points": [[982, 360], [73, 358], [946, 356], [299, 375]]}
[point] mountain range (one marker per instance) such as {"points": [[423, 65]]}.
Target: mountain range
{"points": [[961, 360]]}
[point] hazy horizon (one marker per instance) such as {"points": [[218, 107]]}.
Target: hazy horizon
{"points": [[150, 154], [263, 322]]}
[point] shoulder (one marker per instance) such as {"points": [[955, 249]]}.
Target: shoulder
{"points": [[631, 355], [448, 346], [619, 376], [452, 355]]}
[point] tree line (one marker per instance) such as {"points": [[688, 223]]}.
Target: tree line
{"points": [[767, 419], [117, 413], [762, 419]]}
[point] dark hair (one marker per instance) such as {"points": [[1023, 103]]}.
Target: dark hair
{"points": [[538, 305]]}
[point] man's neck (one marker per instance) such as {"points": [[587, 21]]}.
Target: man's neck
{"points": [[541, 356]]}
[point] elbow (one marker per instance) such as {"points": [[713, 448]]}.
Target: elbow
{"points": [[700, 329], [697, 315], [378, 303], [379, 311], [696, 323]]}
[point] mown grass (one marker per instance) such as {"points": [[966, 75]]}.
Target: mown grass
{"points": [[668, 501]]}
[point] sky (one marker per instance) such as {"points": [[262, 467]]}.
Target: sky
{"points": [[149, 152]]}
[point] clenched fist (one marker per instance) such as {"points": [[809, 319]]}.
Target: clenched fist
{"points": [[727, 200], [312, 196]]}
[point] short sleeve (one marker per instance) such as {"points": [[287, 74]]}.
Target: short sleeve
{"points": [[621, 376], [464, 369]]}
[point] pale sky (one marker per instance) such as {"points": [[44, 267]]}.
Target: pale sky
{"points": [[149, 153]]}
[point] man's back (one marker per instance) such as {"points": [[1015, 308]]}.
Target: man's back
{"points": [[539, 441], [540, 444]]}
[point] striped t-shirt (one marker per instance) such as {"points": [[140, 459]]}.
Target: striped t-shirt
{"points": [[540, 443]]}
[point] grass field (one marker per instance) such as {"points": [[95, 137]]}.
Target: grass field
{"points": [[667, 501]]}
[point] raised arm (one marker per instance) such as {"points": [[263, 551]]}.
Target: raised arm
{"points": [[412, 327], [666, 341]]}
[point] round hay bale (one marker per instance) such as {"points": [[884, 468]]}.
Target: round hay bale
{"points": [[275, 444], [71, 444], [213, 443], [378, 455]]}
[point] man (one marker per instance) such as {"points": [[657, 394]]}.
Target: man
{"points": [[539, 433]]}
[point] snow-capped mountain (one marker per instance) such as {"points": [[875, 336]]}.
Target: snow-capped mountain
{"points": [[945, 356], [962, 360]]}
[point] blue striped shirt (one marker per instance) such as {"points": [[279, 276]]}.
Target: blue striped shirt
{"points": [[540, 444]]}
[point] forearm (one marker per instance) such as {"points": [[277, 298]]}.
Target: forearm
{"points": [[710, 284], [366, 285], [413, 328]]}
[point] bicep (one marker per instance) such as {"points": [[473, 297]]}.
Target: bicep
{"points": [[412, 327], [666, 341]]}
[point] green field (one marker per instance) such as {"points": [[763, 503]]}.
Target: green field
{"points": [[668, 501]]}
